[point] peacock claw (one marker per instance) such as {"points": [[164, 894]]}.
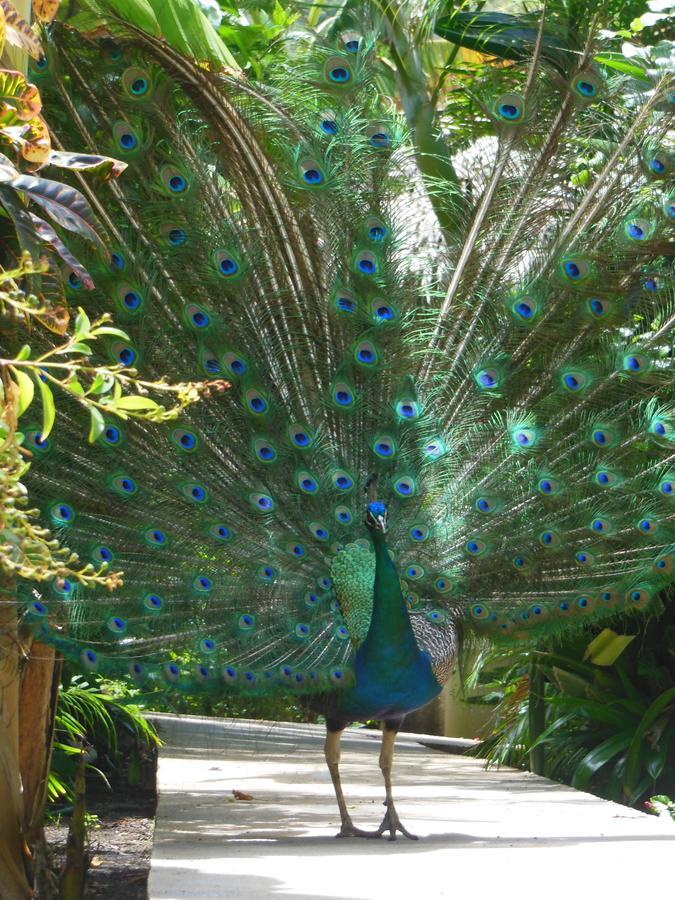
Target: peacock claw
{"points": [[350, 830], [392, 824]]}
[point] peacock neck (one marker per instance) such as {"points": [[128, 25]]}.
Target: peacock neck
{"points": [[390, 622]]}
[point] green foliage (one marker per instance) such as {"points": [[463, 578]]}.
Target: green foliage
{"points": [[610, 709], [91, 713]]}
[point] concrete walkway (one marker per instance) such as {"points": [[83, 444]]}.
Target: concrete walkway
{"points": [[498, 834]]}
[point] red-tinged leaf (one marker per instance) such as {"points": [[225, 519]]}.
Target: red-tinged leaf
{"points": [[104, 166], [19, 95], [19, 32], [65, 204], [49, 236], [25, 229], [45, 10]]}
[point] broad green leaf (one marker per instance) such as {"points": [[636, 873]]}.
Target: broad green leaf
{"points": [[619, 62], [571, 684], [82, 323], [75, 387], [633, 759], [135, 403], [79, 347], [101, 384], [136, 12], [185, 27], [600, 756], [115, 332], [97, 424], [26, 389], [24, 352], [607, 647], [48, 408]]}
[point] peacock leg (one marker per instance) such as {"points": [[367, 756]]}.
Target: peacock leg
{"points": [[391, 821], [332, 753]]}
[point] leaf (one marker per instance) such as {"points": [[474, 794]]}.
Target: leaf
{"points": [[105, 167], [79, 347], [74, 387], [48, 407], [97, 424], [101, 384], [116, 332], [598, 757], [607, 647], [185, 27], [24, 353], [49, 236], [45, 10], [65, 204], [36, 144], [21, 219], [26, 390], [82, 323], [19, 33], [633, 758], [619, 62], [134, 403], [571, 684]]}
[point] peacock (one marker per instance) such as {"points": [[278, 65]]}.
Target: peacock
{"points": [[446, 405]]}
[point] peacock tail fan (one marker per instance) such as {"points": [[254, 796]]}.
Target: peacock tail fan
{"points": [[511, 385]]}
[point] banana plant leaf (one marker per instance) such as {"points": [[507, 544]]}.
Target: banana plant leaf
{"points": [[506, 37]]}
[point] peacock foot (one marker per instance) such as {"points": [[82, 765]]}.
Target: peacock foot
{"points": [[348, 829], [392, 824]]}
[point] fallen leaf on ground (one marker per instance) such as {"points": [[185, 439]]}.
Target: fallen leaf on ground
{"points": [[240, 795]]}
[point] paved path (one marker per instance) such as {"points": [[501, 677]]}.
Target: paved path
{"points": [[489, 835]]}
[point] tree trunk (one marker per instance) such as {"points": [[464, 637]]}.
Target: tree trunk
{"points": [[39, 693], [12, 843]]}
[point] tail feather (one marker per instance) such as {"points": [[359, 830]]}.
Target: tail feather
{"points": [[270, 237]]}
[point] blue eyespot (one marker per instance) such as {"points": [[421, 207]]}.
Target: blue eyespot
{"points": [[666, 487], [128, 140], [509, 111], [572, 382], [139, 86], [377, 232], [572, 269], [344, 398], [132, 300], [177, 184], [202, 583], [328, 126], [74, 281], [352, 45], [177, 237], [200, 319], [312, 176], [380, 140], [156, 536], [367, 266], [384, 313], [345, 304], [228, 266], [586, 88], [339, 74], [343, 482], [127, 356], [597, 307], [635, 231]]}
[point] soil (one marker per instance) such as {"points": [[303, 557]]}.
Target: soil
{"points": [[119, 838]]}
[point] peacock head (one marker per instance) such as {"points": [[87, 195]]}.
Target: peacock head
{"points": [[376, 516]]}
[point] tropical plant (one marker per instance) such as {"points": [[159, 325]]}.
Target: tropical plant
{"points": [[608, 722], [90, 715]]}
